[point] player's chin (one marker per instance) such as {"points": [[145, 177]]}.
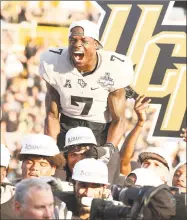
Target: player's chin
{"points": [[79, 63]]}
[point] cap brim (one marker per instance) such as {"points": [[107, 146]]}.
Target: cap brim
{"points": [[68, 148], [149, 155], [96, 182], [58, 160], [80, 152]]}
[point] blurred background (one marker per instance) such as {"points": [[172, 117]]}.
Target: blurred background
{"points": [[27, 28]]}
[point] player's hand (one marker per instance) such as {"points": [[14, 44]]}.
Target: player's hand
{"points": [[184, 134], [56, 184], [52, 181], [108, 150], [91, 152], [140, 106]]}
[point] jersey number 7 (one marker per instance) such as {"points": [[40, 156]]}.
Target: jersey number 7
{"points": [[88, 103], [59, 52]]}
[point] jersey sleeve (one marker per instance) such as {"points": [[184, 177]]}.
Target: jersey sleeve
{"points": [[124, 73], [43, 67], [48, 67]]}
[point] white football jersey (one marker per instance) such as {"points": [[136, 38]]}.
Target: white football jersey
{"points": [[85, 97]]}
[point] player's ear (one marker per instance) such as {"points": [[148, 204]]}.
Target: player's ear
{"points": [[96, 45]]}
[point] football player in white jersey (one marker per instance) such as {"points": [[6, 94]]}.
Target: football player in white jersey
{"points": [[85, 87]]}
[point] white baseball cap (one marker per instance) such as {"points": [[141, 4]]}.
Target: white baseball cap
{"points": [[146, 177], [79, 135], [5, 156], [90, 29], [39, 144], [90, 170], [156, 153]]}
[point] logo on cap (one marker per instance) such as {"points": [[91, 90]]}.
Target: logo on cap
{"points": [[33, 147], [92, 174], [77, 138]]}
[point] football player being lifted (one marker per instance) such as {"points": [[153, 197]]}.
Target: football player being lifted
{"points": [[85, 87]]}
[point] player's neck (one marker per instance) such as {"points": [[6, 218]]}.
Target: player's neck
{"points": [[90, 67]]}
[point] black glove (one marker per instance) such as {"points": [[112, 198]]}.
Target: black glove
{"points": [[103, 153], [57, 185], [110, 146], [92, 153], [109, 149]]}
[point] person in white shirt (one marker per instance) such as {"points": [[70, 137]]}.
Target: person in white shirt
{"points": [[7, 188]]}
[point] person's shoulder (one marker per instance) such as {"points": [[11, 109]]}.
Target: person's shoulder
{"points": [[114, 56], [53, 53], [119, 67]]}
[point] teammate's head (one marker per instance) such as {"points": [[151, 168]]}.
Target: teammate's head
{"points": [[91, 179], [83, 43], [40, 156], [179, 177], [77, 142], [5, 159], [33, 200], [156, 158]]}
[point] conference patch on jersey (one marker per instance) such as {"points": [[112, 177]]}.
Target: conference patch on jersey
{"points": [[68, 84]]}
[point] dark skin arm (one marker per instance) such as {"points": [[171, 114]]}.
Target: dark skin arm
{"points": [[127, 149], [116, 102], [52, 105]]}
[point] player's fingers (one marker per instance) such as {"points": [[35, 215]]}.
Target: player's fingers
{"points": [[141, 110], [146, 101], [139, 100], [142, 106], [142, 97], [138, 97]]}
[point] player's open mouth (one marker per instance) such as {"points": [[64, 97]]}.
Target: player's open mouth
{"points": [[78, 55], [33, 175]]}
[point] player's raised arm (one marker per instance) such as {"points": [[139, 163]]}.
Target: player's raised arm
{"points": [[127, 149], [52, 105], [116, 102]]}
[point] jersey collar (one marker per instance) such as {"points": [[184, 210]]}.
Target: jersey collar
{"points": [[75, 71]]}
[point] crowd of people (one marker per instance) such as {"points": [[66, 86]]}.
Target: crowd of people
{"points": [[79, 164], [39, 194], [48, 12], [23, 104]]}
